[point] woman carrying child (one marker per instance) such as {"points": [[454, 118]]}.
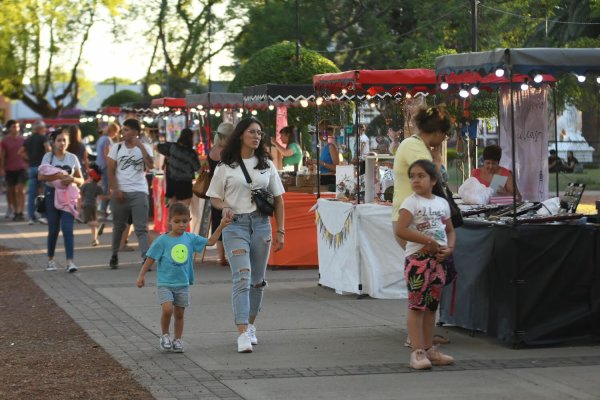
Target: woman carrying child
{"points": [[174, 251], [424, 222]]}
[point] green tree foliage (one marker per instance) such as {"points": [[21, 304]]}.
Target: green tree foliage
{"points": [[122, 97], [186, 35], [278, 64], [41, 42]]}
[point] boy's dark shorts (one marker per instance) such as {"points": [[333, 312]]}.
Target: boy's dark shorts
{"points": [[89, 213], [14, 178]]}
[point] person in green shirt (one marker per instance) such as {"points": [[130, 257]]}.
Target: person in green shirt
{"points": [[292, 154]]}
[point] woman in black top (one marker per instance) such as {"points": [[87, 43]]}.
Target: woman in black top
{"points": [[182, 165]]}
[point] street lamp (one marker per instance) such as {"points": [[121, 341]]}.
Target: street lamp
{"points": [[154, 89]]}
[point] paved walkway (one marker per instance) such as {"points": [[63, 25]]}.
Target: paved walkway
{"points": [[314, 344]]}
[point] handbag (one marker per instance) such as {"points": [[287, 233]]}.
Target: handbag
{"points": [[40, 204], [264, 200], [442, 190], [201, 184]]}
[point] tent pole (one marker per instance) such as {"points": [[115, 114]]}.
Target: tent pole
{"points": [[357, 148], [555, 135], [514, 161], [318, 136]]}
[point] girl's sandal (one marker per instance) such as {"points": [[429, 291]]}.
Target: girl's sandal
{"points": [[437, 339]]}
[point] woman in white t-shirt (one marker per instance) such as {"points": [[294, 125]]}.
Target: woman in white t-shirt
{"points": [[247, 240]]}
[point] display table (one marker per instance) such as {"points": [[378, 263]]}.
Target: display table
{"points": [[357, 251], [531, 284]]}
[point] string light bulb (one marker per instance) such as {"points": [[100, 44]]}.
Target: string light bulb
{"points": [[581, 78], [464, 93], [525, 84], [304, 103], [538, 78], [444, 85], [475, 90], [319, 100], [598, 80], [217, 114], [254, 112], [500, 72], [271, 107]]}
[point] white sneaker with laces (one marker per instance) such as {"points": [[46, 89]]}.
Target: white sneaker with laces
{"points": [[252, 333], [42, 221], [51, 266], [177, 346], [71, 267], [165, 342], [244, 343]]}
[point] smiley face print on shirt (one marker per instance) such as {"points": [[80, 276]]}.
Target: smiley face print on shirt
{"points": [[179, 253]]}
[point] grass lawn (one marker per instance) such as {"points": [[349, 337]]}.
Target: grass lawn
{"points": [[591, 178]]}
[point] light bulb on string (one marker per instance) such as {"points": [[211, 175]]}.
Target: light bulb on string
{"points": [[464, 93], [408, 95], [112, 118], [254, 112], [193, 110], [240, 115], [98, 116], [319, 100], [373, 105], [598, 80], [475, 90], [217, 114], [500, 72], [444, 85], [196, 121], [202, 112], [525, 84], [271, 107], [211, 111], [538, 78], [105, 118], [165, 118], [90, 119], [344, 91], [581, 78], [166, 109], [304, 103], [333, 96]]}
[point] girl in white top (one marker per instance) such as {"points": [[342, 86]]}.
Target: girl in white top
{"points": [[424, 222], [247, 240]]}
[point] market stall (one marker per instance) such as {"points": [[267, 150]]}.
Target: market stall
{"points": [[202, 107], [535, 280]]}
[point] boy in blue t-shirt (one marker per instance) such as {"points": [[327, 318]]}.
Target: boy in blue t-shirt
{"points": [[174, 253]]}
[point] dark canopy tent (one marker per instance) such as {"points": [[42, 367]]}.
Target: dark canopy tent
{"points": [[362, 84], [519, 63], [542, 280], [213, 101]]}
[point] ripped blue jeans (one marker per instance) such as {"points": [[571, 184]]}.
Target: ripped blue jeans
{"points": [[247, 242]]}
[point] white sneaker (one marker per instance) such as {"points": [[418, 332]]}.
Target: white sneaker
{"points": [[31, 221], [71, 267], [252, 333], [244, 343], [42, 221], [51, 266]]}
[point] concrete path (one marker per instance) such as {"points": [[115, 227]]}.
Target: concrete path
{"points": [[314, 344]]}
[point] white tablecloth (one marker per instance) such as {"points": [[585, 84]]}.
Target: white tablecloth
{"points": [[357, 250]]}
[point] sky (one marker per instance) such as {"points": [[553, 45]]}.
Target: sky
{"points": [[103, 58]]}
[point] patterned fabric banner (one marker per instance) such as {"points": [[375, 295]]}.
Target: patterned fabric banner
{"points": [[335, 240]]}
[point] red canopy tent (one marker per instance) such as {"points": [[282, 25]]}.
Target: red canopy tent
{"points": [[362, 84], [171, 102]]}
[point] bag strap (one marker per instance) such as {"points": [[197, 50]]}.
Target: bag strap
{"points": [[245, 171]]}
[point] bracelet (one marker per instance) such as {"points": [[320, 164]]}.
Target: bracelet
{"points": [[281, 231]]}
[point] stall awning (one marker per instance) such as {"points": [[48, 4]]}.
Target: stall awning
{"points": [[551, 61], [262, 96], [214, 100], [169, 102], [376, 82]]}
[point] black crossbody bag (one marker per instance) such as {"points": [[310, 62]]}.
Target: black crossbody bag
{"points": [[264, 200]]}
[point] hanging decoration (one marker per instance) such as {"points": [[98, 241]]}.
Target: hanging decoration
{"points": [[335, 240]]}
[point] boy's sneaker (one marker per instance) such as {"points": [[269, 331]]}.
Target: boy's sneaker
{"points": [[51, 266], [42, 221], [419, 360], [95, 243], [114, 262], [244, 343], [177, 346], [101, 229], [252, 333], [165, 342], [71, 267], [436, 357]]}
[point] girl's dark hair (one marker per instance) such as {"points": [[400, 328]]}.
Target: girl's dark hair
{"points": [[186, 138], [232, 152], [9, 123], [433, 119], [133, 123], [492, 152], [428, 167], [291, 132], [178, 209]]}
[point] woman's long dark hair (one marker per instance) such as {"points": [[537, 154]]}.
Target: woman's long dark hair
{"points": [[186, 138], [232, 152], [291, 132]]}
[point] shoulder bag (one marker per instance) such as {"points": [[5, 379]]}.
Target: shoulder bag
{"points": [[201, 184], [264, 200], [442, 190]]}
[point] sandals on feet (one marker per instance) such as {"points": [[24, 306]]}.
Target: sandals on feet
{"points": [[437, 339]]}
